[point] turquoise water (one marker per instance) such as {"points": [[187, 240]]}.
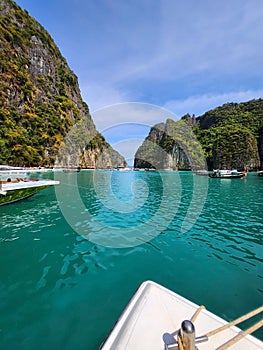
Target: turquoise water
{"points": [[63, 290]]}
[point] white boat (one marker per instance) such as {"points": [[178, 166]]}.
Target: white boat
{"points": [[13, 172], [124, 168], [150, 169], [17, 190], [9, 172], [15, 184], [71, 170], [227, 174], [202, 172], [260, 173], [157, 318]]}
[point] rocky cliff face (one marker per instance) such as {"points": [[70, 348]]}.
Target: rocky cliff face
{"points": [[229, 136], [40, 100], [260, 148], [170, 145], [150, 154]]}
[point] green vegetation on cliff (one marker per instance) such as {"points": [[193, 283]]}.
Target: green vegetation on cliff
{"points": [[40, 99], [170, 145], [231, 135], [33, 120]]}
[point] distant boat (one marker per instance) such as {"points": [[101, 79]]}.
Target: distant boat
{"points": [[202, 172], [10, 172], [120, 168], [138, 169], [227, 174], [71, 170], [15, 184], [170, 169], [14, 172], [157, 318], [150, 169]]}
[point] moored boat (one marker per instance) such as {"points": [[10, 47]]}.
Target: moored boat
{"points": [[71, 170], [121, 168], [202, 172], [150, 169], [157, 318], [17, 190], [15, 185], [9, 172], [260, 173], [13, 172], [227, 174]]}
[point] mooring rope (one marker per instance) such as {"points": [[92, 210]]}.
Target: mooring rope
{"points": [[233, 323], [180, 343], [195, 315], [236, 338], [240, 336]]}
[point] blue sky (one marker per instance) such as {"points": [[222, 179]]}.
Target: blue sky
{"points": [[185, 56]]}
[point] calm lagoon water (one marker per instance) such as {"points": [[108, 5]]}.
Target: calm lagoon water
{"points": [[71, 259]]}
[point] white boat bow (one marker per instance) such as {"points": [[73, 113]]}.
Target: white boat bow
{"points": [[154, 315]]}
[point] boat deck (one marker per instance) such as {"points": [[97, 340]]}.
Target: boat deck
{"points": [[153, 317], [17, 185]]}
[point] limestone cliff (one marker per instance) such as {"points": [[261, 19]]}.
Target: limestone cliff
{"points": [[231, 135], [40, 100], [260, 147], [170, 145]]}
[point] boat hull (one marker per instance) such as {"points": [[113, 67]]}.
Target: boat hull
{"points": [[238, 176], [17, 195], [227, 174], [13, 191], [153, 316]]}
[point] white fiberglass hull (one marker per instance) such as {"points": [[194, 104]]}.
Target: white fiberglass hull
{"points": [[11, 192], [153, 317]]}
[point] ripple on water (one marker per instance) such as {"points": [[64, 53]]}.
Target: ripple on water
{"points": [[43, 281]]}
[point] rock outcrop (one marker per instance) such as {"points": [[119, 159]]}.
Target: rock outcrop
{"points": [[227, 137], [231, 135], [170, 145], [260, 147]]}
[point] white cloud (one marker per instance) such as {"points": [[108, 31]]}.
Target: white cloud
{"points": [[128, 148], [101, 95], [144, 114], [126, 125], [200, 104], [130, 51], [184, 44], [113, 116], [188, 38]]}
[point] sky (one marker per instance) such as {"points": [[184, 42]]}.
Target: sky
{"points": [[176, 56]]}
